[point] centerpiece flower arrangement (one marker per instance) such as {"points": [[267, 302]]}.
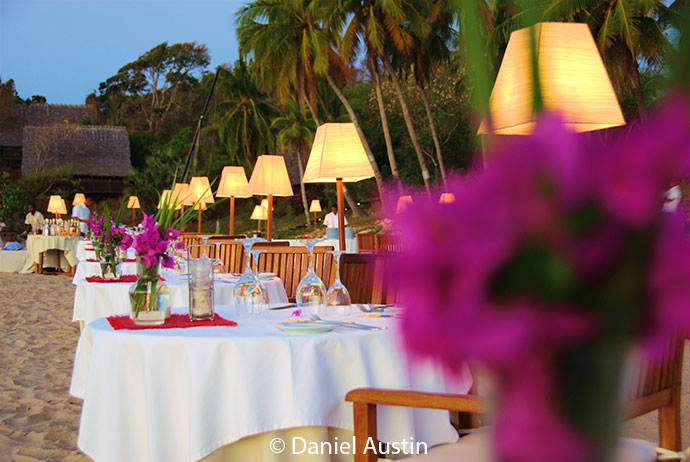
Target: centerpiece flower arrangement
{"points": [[149, 296], [110, 240], [553, 262]]}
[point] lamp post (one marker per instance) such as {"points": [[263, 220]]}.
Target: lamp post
{"points": [[233, 183], [315, 207], [56, 205], [270, 178], [133, 203], [572, 76], [403, 203], [338, 156], [200, 193]]}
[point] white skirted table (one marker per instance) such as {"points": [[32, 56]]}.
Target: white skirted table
{"points": [[47, 251], [16, 261], [93, 300], [184, 394], [87, 268]]}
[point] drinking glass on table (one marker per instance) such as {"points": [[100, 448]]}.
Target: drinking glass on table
{"points": [[311, 291], [218, 265], [337, 298], [200, 285], [250, 294]]}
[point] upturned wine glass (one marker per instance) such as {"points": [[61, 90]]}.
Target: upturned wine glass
{"points": [[337, 298], [311, 291], [218, 265], [250, 294]]}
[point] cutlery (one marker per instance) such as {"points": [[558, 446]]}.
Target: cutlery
{"points": [[353, 325]]}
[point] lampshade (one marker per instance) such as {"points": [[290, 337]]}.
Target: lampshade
{"points": [[63, 207], [165, 197], [56, 205], [259, 213], [574, 81], [180, 194], [270, 176], [133, 202], [233, 183], [447, 198], [337, 152], [78, 199], [403, 203], [315, 206], [200, 190], [264, 203]]}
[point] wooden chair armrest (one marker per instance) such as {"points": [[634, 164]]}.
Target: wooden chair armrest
{"points": [[460, 403]]}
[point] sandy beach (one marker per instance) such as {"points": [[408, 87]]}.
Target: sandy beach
{"points": [[39, 420]]}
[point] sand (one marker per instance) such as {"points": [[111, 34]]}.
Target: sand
{"points": [[39, 420]]}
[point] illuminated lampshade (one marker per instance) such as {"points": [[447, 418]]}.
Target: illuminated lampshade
{"points": [[133, 203], [56, 205], [337, 152], [447, 198], [259, 213], [180, 194], [233, 183], [270, 176], [200, 190], [315, 206], [403, 203], [79, 199], [264, 203], [574, 81], [165, 197]]}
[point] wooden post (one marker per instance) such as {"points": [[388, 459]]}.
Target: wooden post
{"points": [[341, 213], [199, 226], [232, 215], [181, 215], [133, 218], [314, 224], [269, 221], [259, 227]]}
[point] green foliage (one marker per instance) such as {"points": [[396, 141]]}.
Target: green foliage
{"points": [[39, 186], [12, 201]]}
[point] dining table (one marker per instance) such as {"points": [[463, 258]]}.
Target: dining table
{"points": [[92, 267], [235, 392], [94, 300], [53, 251]]}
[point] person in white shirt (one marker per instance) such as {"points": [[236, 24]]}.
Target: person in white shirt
{"points": [[34, 219], [673, 195], [331, 219], [82, 212]]}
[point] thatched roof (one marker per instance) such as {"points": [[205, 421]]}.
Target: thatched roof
{"points": [[38, 115], [92, 150]]}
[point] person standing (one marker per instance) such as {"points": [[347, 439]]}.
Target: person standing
{"points": [[82, 212], [34, 219], [331, 219]]}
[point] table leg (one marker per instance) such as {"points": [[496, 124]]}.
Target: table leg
{"points": [[39, 265]]}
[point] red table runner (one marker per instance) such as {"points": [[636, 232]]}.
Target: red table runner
{"points": [[176, 321], [123, 278], [126, 260]]}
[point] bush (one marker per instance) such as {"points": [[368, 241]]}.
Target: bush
{"points": [[12, 203]]}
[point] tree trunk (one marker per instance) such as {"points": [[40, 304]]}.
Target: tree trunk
{"points": [[434, 135], [408, 122], [637, 89], [367, 149], [301, 183], [384, 127]]}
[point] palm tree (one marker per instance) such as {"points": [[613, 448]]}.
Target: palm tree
{"points": [[296, 133], [292, 50], [431, 27], [245, 115]]}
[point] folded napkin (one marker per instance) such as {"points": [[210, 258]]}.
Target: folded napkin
{"points": [[126, 260], [123, 278], [176, 321]]}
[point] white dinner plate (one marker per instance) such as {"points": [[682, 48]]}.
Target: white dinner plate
{"points": [[306, 327]]}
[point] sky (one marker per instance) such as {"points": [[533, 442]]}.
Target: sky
{"points": [[62, 49]]}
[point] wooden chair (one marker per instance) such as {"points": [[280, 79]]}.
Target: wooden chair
{"points": [[658, 388], [290, 265], [364, 276], [365, 243], [231, 253], [387, 243]]}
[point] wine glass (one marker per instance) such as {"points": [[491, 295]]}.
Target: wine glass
{"points": [[218, 265], [311, 292], [205, 239], [250, 294], [337, 298]]}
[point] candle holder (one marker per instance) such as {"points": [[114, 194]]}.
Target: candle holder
{"points": [[200, 269]]}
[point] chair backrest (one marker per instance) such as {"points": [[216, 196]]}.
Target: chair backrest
{"points": [[658, 387], [365, 242], [387, 243], [231, 253], [364, 277], [290, 265]]}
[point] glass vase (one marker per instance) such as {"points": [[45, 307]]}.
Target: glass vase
{"points": [[110, 266], [149, 297]]}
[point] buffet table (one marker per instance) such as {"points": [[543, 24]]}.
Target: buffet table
{"points": [[47, 251], [181, 394], [16, 261]]}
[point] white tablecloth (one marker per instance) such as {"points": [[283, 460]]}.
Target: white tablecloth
{"points": [[179, 394], [49, 246], [81, 249], [98, 300], [92, 268], [16, 261]]}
